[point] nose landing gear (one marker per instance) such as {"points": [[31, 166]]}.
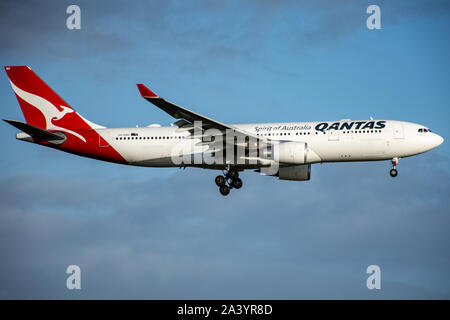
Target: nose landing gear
{"points": [[393, 171], [229, 180]]}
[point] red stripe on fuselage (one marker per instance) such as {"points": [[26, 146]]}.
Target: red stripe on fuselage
{"points": [[91, 148]]}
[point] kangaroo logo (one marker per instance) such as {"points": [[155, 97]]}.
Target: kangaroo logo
{"points": [[48, 110]]}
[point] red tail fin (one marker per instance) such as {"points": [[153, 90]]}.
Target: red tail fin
{"points": [[41, 106], [39, 103], [44, 109]]}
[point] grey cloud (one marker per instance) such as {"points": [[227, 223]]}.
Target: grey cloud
{"points": [[178, 238], [40, 26], [193, 36]]}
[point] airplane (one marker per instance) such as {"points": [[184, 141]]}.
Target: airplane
{"points": [[283, 150]]}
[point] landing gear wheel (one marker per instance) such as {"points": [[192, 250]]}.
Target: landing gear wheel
{"points": [[393, 173], [220, 181], [233, 174], [236, 183], [224, 190]]}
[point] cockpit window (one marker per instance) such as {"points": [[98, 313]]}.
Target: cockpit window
{"points": [[424, 130], [420, 130]]}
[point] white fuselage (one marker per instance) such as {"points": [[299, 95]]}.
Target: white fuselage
{"points": [[284, 150], [332, 141]]}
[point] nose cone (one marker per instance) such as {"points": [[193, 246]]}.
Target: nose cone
{"points": [[437, 140], [440, 140]]}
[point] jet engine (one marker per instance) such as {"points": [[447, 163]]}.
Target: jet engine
{"points": [[298, 173], [291, 152]]}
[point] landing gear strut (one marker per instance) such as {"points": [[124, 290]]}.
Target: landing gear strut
{"points": [[229, 180], [393, 171]]}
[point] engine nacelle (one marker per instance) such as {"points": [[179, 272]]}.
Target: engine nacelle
{"points": [[290, 152], [298, 173]]}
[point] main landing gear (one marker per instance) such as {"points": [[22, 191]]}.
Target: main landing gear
{"points": [[393, 171], [229, 180]]}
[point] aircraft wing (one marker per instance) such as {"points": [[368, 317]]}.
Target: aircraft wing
{"points": [[188, 117]]}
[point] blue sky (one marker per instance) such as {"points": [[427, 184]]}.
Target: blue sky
{"points": [[166, 233]]}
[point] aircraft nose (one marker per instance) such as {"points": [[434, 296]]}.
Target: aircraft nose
{"points": [[440, 140], [437, 140]]}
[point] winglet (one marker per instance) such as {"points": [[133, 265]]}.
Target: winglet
{"points": [[145, 92]]}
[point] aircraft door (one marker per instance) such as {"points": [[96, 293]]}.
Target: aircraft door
{"points": [[103, 139]]}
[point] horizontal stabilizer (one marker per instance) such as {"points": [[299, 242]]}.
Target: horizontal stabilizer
{"points": [[38, 133]]}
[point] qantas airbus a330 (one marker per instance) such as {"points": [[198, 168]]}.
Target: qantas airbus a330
{"points": [[285, 150]]}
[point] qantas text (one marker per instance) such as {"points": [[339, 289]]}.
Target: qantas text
{"points": [[356, 125]]}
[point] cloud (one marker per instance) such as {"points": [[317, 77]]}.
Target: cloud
{"points": [[178, 238], [41, 26], [237, 26], [195, 37]]}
